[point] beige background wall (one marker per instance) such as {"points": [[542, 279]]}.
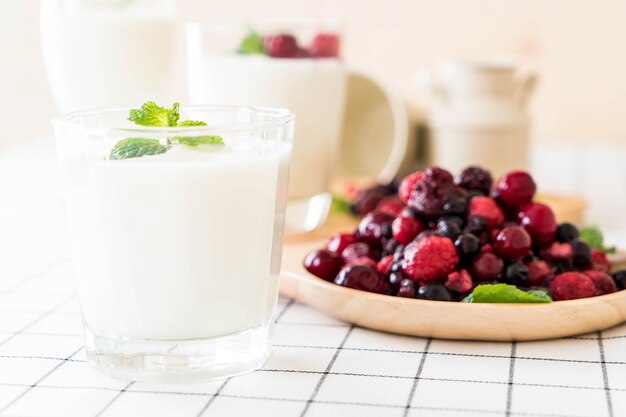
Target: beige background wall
{"points": [[577, 46]]}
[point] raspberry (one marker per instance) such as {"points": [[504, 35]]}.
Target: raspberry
{"points": [[384, 264], [512, 243], [364, 260], [325, 45], [538, 220], [557, 251], [602, 282], [323, 264], [486, 267], [405, 229], [459, 281], [599, 261], [487, 208], [408, 185], [281, 46], [391, 205], [361, 277], [475, 178], [374, 226], [571, 285], [430, 259], [357, 250], [538, 273], [515, 189], [338, 242]]}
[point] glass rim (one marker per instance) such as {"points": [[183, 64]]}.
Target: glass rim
{"points": [[281, 117], [289, 23]]}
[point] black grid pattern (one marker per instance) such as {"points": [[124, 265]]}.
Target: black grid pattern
{"points": [[320, 366]]}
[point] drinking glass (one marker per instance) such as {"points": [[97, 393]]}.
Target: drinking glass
{"points": [[177, 254], [313, 88], [108, 53]]}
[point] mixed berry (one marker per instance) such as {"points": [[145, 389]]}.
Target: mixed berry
{"points": [[283, 45], [432, 236]]}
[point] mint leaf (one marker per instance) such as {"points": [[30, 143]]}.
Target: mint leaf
{"points": [[252, 43], [198, 140], [592, 236], [503, 293], [152, 115], [136, 147], [339, 205], [191, 123]]}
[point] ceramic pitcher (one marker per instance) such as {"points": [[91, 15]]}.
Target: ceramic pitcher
{"points": [[479, 116]]}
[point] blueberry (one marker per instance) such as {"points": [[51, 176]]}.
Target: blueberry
{"points": [[434, 292], [467, 245], [515, 274], [566, 232], [476, 225], [407, 289], [396, 278], [448, 228], [409, 212], [620, 278], [582, 254], [390, 246]]}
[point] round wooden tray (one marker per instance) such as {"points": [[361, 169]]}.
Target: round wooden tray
{"points": [[446, 320]]}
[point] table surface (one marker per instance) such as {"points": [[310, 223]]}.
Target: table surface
{"points": [[320, 366]]}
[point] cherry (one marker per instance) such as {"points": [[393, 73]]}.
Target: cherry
{"points": [[323, 264]]}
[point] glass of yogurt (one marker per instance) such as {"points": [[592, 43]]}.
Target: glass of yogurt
{"points": [[295, 66], [177, 252]]}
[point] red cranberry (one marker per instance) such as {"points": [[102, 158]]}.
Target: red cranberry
{"points": [[538, 220], [459, 281], [325, 45], [512, 243], [281, 46], [405, 229], [538, 273], [358, 250], [361, 277], [374, 227], [571, 286], [323, 264], [515, 188], [338, 242], [486, 267]]}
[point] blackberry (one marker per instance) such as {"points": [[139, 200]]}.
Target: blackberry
{"points": [[566, 232], [475, 178]]}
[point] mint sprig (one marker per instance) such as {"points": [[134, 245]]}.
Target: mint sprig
{"points": [[136, 147], [504, 293], [149, 114], [592, 236], [152, 115], [252, 43]]}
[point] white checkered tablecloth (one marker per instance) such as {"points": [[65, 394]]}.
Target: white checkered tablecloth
{"points": [[320, 366]]}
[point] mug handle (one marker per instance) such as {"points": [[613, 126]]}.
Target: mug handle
{"points": [[400, 120]]}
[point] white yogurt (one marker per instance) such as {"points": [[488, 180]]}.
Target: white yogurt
{"points": [[313, 89], [175, 246]]}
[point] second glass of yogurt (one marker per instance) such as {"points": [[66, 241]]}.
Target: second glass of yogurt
{"points": [[176, 247], [294, 66]]}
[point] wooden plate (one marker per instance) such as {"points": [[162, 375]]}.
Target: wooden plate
{"points": [[446, 320]]}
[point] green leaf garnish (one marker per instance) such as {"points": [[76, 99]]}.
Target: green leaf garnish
{"points": [[503, 293], [136, 147], [593, 237], [149, 114], [252, 43], [152, 115], [198, 140], [191, 123], [339, 205]]}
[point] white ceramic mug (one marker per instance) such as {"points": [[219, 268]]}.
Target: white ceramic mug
{"points": [[327, 98]]}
